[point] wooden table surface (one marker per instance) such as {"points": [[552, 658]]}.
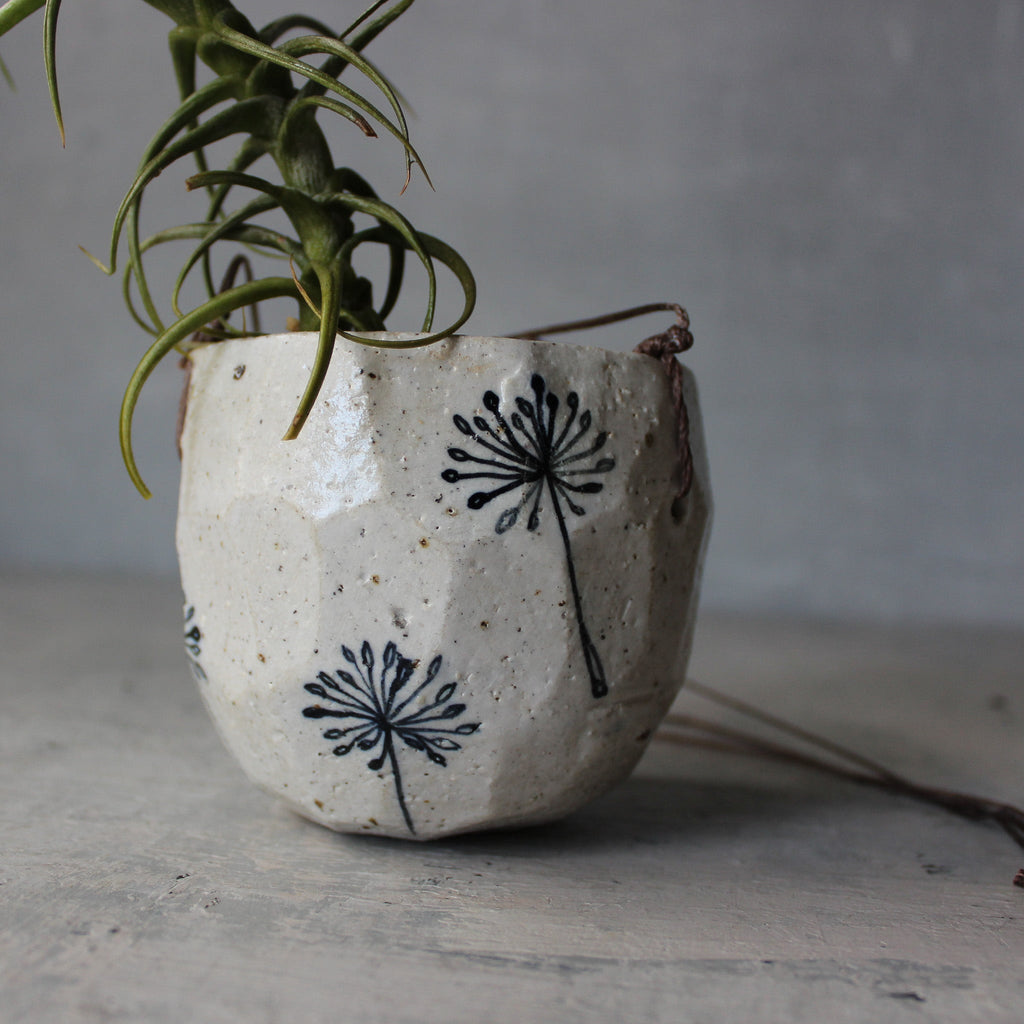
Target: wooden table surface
{"points": [[142, 878]]}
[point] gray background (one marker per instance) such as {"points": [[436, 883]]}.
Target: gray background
{"points": [[833, 190]]}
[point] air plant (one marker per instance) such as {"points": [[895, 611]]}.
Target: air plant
{"points": [[267, 93]]}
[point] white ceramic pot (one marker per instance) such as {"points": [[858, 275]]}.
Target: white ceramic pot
{"points": [[462, 599]]}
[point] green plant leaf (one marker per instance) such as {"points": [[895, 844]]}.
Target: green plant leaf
{"points": [[272, 31], [330, 304], [183, 43], [302, 104], [185, 116], [306, 46], [345, 179], [386, 214], [219, 306], [284, 57], [396, 269], [135, 262], [336, 65], [234, 179], [250, 235], [223, 229], [248, 116], [15, 11], [50, 61], [248, 153], [209, 96], [448, 257], [376, 26]]}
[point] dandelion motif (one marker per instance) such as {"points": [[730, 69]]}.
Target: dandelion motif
{"points": [[530, 452], [384, 712], [193, 640]]}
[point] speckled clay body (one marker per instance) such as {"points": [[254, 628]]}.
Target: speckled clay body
{"points": [[460, 600]]}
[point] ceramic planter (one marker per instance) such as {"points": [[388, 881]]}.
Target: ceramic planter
{"points": [[462, 599]]}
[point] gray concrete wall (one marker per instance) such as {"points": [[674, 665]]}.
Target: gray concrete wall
{"points": [[836, 192]]}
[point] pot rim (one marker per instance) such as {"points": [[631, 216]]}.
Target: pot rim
{"points": [[446, 344]]}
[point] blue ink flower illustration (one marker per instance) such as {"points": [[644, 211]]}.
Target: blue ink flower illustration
{"points": [[193, 640], [385, 710], [531, 452]]}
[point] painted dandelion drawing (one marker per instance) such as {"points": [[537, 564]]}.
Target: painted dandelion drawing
{"points": [[385, 712], [193, 645], [527, 454]]}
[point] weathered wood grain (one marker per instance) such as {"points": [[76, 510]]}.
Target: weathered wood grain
{"points": [[142, 879]]}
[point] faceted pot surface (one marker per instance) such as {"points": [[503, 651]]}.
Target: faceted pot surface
{"points": [[463, 598]]}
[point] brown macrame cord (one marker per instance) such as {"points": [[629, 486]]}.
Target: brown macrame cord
{"points": [[663, 347], [691, 730]]}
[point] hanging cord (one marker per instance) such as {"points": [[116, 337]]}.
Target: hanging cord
{"points": [[691, 730], [663, 347]]}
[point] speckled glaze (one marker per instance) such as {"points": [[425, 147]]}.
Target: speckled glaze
{"points": [[462, 599]]}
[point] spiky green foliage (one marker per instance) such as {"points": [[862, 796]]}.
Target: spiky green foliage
{"points": [[268, 90]]}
